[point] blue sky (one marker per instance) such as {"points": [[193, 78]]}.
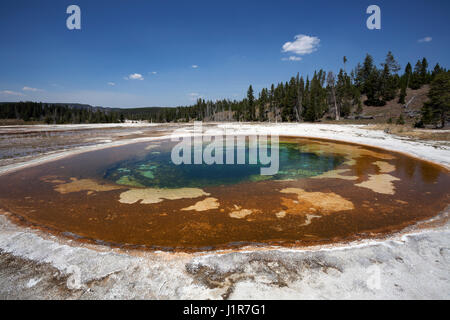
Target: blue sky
{"points": [[231, 43]]}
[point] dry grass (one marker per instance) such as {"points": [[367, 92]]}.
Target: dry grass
{"points": [[408, 131], [392, 109]]}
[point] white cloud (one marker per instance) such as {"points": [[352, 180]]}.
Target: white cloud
{"points": [[194, 66], [11, 93], [302, 45], [134, 76], [154, 72], [292, 58], [426, 39], [31, 89], [111, 84]]}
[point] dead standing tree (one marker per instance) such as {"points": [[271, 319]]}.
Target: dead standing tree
{"points": [[331, 83]]}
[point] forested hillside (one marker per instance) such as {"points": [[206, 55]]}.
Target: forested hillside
{"points": [[324, 96], [347, 95], [57, 113]]}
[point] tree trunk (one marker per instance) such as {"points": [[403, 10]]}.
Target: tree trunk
{"points": [[335, 105], [300, 101]]}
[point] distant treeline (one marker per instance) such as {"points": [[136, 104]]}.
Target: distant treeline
{"points": [[57, 113], [324, 95]]}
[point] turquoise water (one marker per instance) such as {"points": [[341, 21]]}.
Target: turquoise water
{"points": [[156, 169]]}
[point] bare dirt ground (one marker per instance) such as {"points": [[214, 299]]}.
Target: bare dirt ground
{"points": [[23, 143], [413, 264], [412, 133], [414, 99], [410, 110]]}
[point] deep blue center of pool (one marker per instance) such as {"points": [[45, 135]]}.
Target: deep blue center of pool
{"points": [[156, 169]]}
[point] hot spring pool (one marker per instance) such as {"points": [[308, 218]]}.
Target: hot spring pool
{"points": [[133, 196]]}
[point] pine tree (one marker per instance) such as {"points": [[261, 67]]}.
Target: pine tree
{"points": [[263, 99], [372, 88], [367, 71], [251, 104], [437, 109], [393, 65], [427, 115], [408, 74], [402, 96], [437, 69], [300, 98], [388, 85], [416, 79], [356, 100], [424, 78], [389, 77]]}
